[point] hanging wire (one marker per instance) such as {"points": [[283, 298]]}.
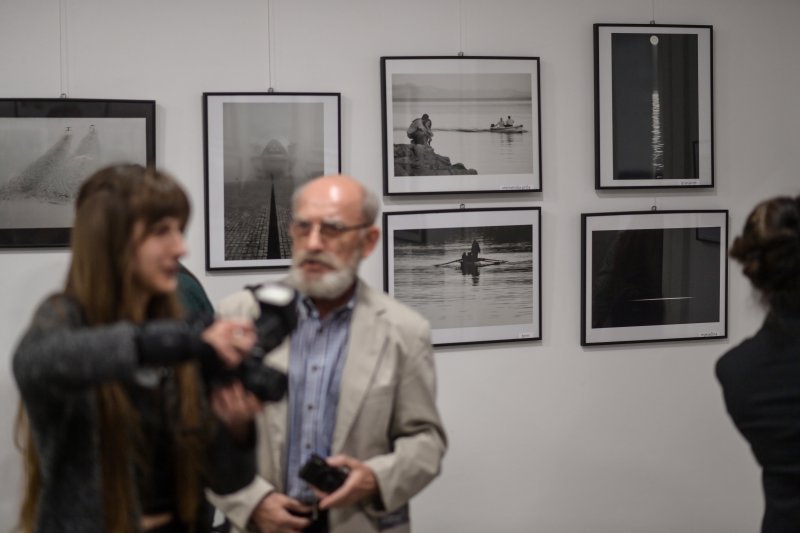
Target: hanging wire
{"points": [[653, 19], [460, 27], [63, 50], [270, 44]]}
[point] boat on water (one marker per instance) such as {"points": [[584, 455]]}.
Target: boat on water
{"points": [[507, 129], [470, 266]]}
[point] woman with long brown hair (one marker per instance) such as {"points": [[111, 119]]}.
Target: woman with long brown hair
{"points": [[761, 376], [114, 420]]}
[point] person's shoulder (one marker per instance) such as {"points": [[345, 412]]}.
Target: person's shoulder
{"points": [[56, 311], [58, 306], [191, 293], [241, 303], [739, 360]]}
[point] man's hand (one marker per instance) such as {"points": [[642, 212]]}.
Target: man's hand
{"points": [[236, 408], [360, 484], [272, 514]]}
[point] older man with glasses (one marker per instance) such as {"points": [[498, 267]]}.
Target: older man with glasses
{"points": [[361, 383]]}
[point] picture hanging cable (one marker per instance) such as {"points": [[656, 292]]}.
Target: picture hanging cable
{"points": [[63, 50], [270, 44], [654, 207], [653, 19], [460, 28]]}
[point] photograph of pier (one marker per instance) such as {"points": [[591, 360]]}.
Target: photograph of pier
{"points": [[261, 148]]}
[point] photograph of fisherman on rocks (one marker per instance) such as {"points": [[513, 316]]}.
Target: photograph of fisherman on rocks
{"points": [[260, 148], [473, 273], [465, 124]]}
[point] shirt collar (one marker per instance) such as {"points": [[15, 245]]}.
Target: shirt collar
{"points": [[307, 309]]}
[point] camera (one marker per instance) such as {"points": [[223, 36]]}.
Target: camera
{"points": [[319, 473], [276, 320]]}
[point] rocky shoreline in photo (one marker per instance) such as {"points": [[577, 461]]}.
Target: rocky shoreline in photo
{"points": [[421, 160]]}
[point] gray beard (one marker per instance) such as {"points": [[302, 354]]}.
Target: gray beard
{"points": [[328, 287]]}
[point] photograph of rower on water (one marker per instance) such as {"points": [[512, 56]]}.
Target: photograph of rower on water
{"points": [[472, 281], [463, 147]]}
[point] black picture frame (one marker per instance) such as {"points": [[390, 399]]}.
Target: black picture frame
{"points": [[464, 151], [428, 266], [273, 143], [49, 146], [650, 276], [654, 106]]}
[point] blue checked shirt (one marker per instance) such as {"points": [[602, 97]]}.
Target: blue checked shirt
{"points": [[316, 361]]}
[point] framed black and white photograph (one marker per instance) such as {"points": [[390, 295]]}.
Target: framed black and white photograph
{"points": [[475, 274], [461, 124], [654, 276], [260, 147], [654, 108], [48, 147]]}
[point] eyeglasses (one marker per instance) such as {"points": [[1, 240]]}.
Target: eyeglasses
{"points": [[327, 230]]}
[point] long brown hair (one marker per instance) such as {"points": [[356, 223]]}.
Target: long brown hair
{"points": [[109, 206]]}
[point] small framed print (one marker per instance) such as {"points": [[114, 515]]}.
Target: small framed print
{"points": [[654, 122], [475, 274], [654, 276], [259, 147], [461, 124], [48, 147]]}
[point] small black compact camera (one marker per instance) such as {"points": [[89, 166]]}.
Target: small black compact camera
{"points": [[319, 473], [276, 320]]}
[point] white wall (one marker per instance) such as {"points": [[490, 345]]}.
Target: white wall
{"points": [[545, 436]]}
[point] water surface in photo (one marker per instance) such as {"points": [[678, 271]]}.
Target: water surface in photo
{"points": [[462, 131], [432, 275]]}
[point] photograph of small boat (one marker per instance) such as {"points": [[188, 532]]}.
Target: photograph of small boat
{"points": [[507, 129], [461, 100]]}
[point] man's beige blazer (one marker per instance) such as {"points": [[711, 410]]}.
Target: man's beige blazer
{"points": [[386, 416]]}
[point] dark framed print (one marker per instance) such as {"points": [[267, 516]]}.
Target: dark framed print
{"points": [[259, 147], [461, 125], [475, 274], [48, 147], [654, 108], [654, 276]]}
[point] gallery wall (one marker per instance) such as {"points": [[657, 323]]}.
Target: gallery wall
{"points": [[544, 436]]}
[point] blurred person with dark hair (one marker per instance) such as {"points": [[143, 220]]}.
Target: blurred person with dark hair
{"points": [[114, 423], [191, 293], [760, 377]]}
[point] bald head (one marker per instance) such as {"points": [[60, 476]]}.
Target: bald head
{"points": [[332, 232], [342, 190]]}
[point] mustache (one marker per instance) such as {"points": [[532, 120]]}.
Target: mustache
{"points": [[324, 258]]}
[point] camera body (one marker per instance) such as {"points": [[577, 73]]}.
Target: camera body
{"points": [[276, 320], [319, 473]]}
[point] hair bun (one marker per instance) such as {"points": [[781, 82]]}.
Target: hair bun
{"points": [[769, 250]]}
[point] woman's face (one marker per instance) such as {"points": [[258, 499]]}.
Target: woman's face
{"points": [[155, 260]]}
